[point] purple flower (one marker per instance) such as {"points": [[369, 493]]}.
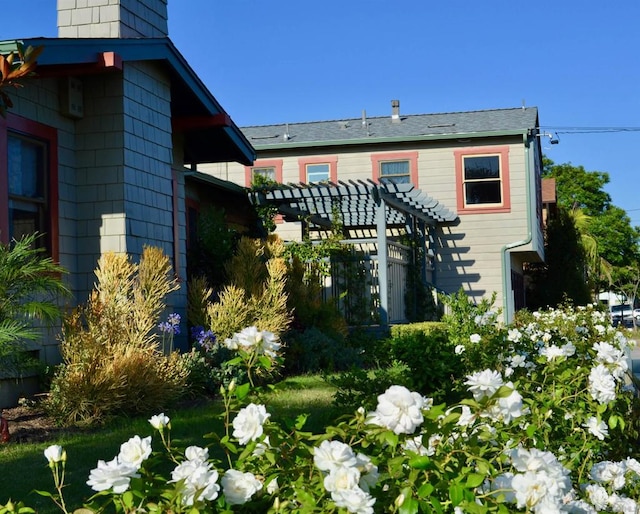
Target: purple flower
{"points": [[172, 325], [206, 339]]}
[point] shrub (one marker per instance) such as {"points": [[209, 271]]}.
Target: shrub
{"points": [[552, 430], [30, 291], [112, 363], [312, 350], [256, 293]]}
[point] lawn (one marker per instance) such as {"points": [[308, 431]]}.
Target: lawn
{"points": [[25, 467]]}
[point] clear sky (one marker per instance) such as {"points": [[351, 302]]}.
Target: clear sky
{"points": [[302, 60]]}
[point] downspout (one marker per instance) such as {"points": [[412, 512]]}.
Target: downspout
{"points": [[506, 262]]}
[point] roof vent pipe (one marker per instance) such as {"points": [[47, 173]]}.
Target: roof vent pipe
{"points": [[395, 110]]}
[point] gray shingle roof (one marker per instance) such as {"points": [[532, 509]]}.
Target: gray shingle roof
{"points": [[417, 126]]}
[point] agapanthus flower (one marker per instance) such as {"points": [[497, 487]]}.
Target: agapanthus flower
{"points": [[172, 325]]}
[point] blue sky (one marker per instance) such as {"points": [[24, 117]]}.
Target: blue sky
{"points": [[291, 61]]}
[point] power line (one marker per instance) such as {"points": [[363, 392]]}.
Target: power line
{"points": [[588, 130]]}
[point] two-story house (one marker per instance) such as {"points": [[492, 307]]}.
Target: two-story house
{"points": [[481, 169]]}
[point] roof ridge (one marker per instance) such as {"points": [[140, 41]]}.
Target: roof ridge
{"points": [[343, 120]]}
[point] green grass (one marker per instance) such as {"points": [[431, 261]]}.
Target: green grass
{"points": [[25, 468]]}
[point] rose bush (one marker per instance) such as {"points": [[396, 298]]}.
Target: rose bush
{"points": [[550, 426]]}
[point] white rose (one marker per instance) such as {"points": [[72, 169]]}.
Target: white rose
{"points": [[195, 453], [112, 475], [399, 410], [331, 455], [159, 421], [135, 451], [239, 487], [247, 425], [55, 453]]}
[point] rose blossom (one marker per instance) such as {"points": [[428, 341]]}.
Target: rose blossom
{"points": [[159, 421], [247, 425], [331, 455], [112, 475], [55, 453], [399, 410], [239, 487], [484, 383], [135, 450]]}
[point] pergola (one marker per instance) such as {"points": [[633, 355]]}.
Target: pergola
{"points": [[362, 206]]}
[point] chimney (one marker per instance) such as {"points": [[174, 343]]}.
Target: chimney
{"points": [[395, 111], [112, 19]]}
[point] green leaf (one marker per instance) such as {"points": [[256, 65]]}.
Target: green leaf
{"points": [[242, 390], [613, 421], [531, 430], [422, 462], [425, 490], [456, 494], [474, 480], [409, 504]]}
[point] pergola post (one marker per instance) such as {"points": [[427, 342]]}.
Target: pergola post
{"points": [[383, 259]]}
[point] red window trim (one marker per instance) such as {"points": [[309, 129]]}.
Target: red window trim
{"points": [[412, 157], [263, 163], [503, 152], [332, 161], [30, 128]]}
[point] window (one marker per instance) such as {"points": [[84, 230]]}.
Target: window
{"points": [[265, 169], [317, 173], [482, 177], [266, 172], [318, 169], [395, 172], [395, 168], [28, 181]]}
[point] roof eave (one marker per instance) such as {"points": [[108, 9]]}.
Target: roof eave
{"points": [[90, 51]]}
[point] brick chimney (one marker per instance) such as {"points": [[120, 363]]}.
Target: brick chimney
{"points": [[112, 18]]}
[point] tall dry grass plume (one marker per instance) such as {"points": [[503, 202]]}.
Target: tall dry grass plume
{"points": [[112, 363], [256, 293]]}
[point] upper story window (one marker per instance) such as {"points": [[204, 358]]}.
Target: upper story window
{"points": [[270, 169], [395, 168], [312, 170], [395, 172], [482, 177], [317, 172], [28, 182], [267, 172]]}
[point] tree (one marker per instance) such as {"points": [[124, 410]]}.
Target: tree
{"points": [[606, 232], [562, 277]]}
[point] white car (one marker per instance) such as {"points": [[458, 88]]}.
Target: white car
{"points": [[621, 314], [636, 314]]}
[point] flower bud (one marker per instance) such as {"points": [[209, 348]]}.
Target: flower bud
{"points": [[232, 385]]}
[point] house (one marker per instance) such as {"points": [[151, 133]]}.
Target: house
{"points": [[99, 140], [481, 169]]}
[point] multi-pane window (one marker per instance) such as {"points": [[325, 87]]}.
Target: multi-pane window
{"points": [[482, 180], [395, 172], [267, 173], [27, 186], [318, 172]]}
